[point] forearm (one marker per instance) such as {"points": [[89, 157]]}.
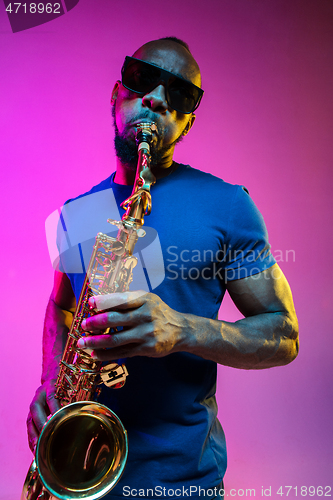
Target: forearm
{"points": [[56, 327], [256, 342], [266, 337]]}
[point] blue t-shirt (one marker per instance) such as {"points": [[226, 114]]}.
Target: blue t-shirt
{"points": [[205, 232]]}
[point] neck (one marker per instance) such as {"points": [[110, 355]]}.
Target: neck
{"points": [[125, 175]]}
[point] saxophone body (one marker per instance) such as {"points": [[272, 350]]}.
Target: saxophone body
{"points": [[82, 449]]}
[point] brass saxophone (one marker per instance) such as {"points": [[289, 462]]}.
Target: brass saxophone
{"points": [[82, 449]]}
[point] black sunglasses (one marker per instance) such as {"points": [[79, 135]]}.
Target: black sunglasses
{"points": [[142, 77]]}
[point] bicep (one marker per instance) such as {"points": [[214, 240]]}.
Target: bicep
{"points": [[264, 292], [62, 294]]}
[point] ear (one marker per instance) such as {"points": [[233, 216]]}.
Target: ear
{"points": [[114, 93], [189, 125]]}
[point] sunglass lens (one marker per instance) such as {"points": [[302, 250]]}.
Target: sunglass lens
{"points": [[183, 96], [140, 77]]}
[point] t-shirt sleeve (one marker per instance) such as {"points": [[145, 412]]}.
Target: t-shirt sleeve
{"points": [[70, 252], [247, 251]]}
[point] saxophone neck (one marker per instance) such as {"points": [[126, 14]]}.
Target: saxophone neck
{"points": [[139, 203]]}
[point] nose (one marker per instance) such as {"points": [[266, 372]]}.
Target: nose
{"points": [[156, 99]]}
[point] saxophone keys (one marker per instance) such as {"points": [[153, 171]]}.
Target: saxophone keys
{"points": [[114, 375]]}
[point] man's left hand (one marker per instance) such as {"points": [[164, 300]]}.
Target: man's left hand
{"points": [[150, 327]]}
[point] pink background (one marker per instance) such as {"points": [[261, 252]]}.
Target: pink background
{"points": [[265, 122]]}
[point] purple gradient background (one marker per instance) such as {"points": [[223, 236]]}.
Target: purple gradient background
{"points": [[265, 122]]}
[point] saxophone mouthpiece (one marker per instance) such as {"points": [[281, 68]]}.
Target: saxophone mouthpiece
{"points": [[144, 132]]}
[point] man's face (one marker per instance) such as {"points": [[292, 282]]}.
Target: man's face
{"points": [[131, 108]]}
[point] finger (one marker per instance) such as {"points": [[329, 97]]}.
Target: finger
{"points": [[52, 402], [127, 351], [109, 341], [32, 433], [38, 410], [43, 404], [124, 300], [110, 319]]}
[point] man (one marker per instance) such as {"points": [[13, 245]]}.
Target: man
{"points": [[171, 338]]}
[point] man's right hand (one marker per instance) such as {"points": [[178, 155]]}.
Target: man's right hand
{"points": [[42, 406]]}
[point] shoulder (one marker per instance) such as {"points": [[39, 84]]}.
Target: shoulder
{"points": [[195, 175], [88, 213], [101, 186], [81, 219], [223, 202], [208, 186]]}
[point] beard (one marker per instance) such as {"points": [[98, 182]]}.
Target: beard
{"points": [[127, 151]]}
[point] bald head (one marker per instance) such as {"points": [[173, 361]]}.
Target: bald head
{"points": [[172, 56]]}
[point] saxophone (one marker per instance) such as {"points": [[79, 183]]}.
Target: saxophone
{"points": [[82, 449]]}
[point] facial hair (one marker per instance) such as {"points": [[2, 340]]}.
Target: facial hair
{"points": [[127, 151]]}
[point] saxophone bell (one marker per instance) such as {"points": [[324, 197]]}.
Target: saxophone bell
{"points": [[93, 460]]}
